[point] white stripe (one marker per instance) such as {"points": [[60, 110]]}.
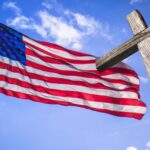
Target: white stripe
{"points": [[118, 65], [118, 76], [37, 51], [130, 79], [67, 87], [57, 52], [85, 67], [67, 66], [57, 75], [98, 105], [79, 66]]}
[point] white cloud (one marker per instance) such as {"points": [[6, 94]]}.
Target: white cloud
{"points": [[19, 21], [91, 26], [148, 145], [13, 6], [62, 32], [131, 148], [68, 29], [87, 22], [47, 5], [105, 32], [71, 29], [39, 29], [144, 79], [135, 1]]}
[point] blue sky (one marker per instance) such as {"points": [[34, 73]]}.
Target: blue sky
{"points": [[94, 27]]}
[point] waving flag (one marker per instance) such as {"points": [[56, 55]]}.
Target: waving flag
{"points": [[47, 73]]}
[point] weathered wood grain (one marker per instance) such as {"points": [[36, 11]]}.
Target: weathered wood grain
{"points": [[121, 52], [144, 48], [137, 25], [136, 22]]}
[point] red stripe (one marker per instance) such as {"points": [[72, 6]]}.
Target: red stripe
{"points": [[56, 60], [56, 56], [67, 81], [85, 74], [74, 94], [81, 73], [58, 48], [115, 70], [124, 71], [39, 99], [53, 79], [109, 71]]}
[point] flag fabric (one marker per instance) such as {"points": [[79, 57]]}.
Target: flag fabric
{"points": [[48, 73]]}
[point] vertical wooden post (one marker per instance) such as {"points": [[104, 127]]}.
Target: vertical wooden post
{"points": [[137, 24]]}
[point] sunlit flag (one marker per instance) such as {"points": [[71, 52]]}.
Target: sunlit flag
{"points": [[48, 73]]}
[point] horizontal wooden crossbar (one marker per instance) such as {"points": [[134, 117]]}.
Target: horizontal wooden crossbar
{"points": [[121, 52]]}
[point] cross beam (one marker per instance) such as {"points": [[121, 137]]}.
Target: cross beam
{"points": [[140, 41]]}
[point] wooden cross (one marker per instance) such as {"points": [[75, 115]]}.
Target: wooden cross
{"points": [[140, 41]]}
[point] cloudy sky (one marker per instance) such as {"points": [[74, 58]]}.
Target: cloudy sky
{"points": [[94, 27]]}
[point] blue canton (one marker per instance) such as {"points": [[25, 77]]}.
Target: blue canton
{"points": [[11, 44]]}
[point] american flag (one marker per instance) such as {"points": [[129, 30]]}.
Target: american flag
{"points": [[48, 73]]}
